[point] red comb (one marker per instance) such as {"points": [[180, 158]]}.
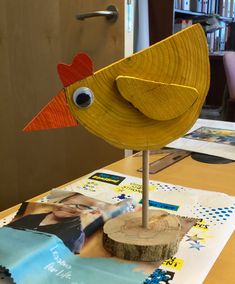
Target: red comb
{"points": [[80, 68]]}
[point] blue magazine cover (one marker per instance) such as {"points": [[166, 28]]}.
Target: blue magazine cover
{"points": [[38, 246]]}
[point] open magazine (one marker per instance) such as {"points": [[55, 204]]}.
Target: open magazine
{"points": [[38, 245], [33, 256], [72, 217], [42, 237]]}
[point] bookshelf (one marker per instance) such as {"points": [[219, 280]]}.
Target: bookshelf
{"points": [[217, 18]]}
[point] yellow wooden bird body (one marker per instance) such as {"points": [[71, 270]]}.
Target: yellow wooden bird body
{"points": [[141, 102]]}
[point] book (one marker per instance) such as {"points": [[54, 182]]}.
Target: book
{"points": [[204, 6], [227, 8], [212, 7], [230, 35], [196, 5], [231, 9], [221, 10], [178, 4], [181, 24], [186, 5]]}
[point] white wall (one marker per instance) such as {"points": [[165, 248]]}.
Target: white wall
{"points": [[141, 25]]}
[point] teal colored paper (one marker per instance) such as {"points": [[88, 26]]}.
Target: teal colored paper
{"points": [[33, 257]]}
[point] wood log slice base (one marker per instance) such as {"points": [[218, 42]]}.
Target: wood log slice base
{"points": [[125, 237]]}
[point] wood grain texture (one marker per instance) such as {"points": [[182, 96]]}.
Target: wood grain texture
{"points": [[212, 177], [181, 59], [125, 237], [157, 100], [34, 37], [145, 189], [55, 114]]}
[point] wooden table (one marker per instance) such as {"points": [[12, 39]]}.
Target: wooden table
{"points": [[190, 173]]}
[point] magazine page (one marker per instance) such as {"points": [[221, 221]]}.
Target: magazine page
{"points": [[42, 237], [214, 211], [211, 137], [36, 257], [55, 224], [72, 217], [201, 242]]}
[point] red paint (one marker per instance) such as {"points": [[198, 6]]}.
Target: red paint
{"points": [[80, 68], [55, 114]]}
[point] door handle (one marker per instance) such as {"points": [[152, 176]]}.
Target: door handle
{"points": [[111, 14]]}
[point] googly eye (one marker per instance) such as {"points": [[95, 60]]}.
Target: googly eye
{"points": [[83, 97]]}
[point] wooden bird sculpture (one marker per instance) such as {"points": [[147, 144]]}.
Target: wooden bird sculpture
{"points": [[142, 102]]}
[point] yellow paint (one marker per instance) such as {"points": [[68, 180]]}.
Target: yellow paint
{"points": [[173, 262], [105, 179], [180, 60], [204, 237], [132, 188], [157, 100], [201, 224]]}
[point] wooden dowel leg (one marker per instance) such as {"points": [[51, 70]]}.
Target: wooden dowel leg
{"points": [[131, 237], [145, 192]]}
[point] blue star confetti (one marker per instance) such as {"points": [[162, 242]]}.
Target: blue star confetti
{"points": [[193, 238], [160, 276], [196, 245], [121, 197]]}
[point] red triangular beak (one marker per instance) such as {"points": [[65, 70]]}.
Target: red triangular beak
{"points": [[55, 114]]}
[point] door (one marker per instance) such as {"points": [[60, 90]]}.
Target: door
{"points": [[34, 37]]}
